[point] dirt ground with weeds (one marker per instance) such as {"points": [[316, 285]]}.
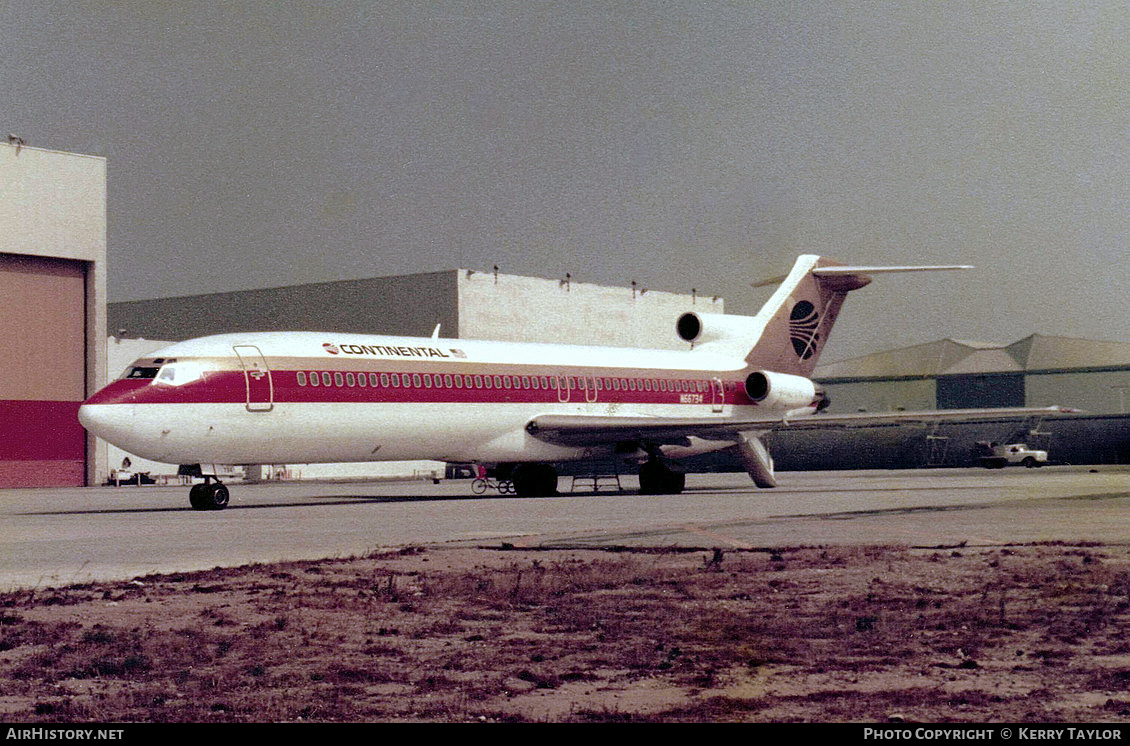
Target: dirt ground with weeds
{"points": [[1033, 633]]}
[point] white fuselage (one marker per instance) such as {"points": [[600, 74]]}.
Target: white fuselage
{"points": [[252, 398]]}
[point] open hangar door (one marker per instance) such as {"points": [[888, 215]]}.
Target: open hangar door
{"points": [[42, 371]]}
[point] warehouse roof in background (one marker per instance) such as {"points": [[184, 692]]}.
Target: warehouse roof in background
{"points": [[1037, 353]]}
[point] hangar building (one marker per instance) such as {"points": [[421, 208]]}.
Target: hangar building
{"points": [[52, 311], [949, 374], [1037, 371]]}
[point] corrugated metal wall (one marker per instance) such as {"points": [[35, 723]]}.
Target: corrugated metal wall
{"points": [[982, 390], [42, 364]]}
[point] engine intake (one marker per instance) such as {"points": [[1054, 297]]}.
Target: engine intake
{"points": [[784, 391], [699, 328], [689, 327]]}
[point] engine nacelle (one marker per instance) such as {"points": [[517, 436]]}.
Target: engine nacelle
{"points": [[699, 328], [782, 391]]}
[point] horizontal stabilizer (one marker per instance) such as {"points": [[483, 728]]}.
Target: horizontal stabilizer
{"points": [[833, 271], [863, 271]]}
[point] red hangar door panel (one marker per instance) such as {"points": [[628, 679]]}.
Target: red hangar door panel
{"points": [[42, 371]]}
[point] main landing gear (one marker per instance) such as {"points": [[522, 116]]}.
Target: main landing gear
{"points": [[657, 478], [212, 495], [534, 480]]}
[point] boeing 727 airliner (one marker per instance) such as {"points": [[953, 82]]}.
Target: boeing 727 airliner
{"points": [[322, 397]]}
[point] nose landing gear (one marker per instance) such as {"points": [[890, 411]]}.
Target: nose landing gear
{"points": [[209, 496]]}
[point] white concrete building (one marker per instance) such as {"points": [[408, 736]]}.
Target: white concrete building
{"points": [[468, 304]]}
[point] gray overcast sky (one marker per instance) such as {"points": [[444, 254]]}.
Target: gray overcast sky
{"points": [[679, 144]]}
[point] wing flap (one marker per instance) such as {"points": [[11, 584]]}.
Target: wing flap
{"points": [[584, 430]]}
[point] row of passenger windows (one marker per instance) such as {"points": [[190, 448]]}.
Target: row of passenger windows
{"points": [[458, 381]]}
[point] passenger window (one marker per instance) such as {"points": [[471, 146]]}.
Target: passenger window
{"points": [[384, 380], [458, 380], [350, 380], [506, 382], [447, 382], [313, 379], [498, 382], [301, 378], [327, 379], [362, 380], [525, 382], [338, 379], [478, 382], [396, 380], [416, 380], [373, 380], [427, 380]]}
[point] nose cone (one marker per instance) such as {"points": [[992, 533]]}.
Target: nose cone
{"points": [[111, 422], [109, 413]]}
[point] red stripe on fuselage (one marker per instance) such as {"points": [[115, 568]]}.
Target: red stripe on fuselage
{"points": [[230, 386]]}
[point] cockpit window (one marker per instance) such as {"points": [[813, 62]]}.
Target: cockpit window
{"points": [[178, 374], [142, 371]]}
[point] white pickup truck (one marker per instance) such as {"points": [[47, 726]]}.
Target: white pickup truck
{"points": [[1013, 454]]}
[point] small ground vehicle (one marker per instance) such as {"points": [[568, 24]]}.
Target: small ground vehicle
{"points": [[993, 456]]}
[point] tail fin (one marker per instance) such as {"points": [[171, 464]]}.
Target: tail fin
{"points": [[791, 329], [796, 321]]}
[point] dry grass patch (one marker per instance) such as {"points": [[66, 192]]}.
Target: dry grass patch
{"points": [[1031, 633]]}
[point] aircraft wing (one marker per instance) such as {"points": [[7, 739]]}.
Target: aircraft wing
{"points": [[583, 430]]}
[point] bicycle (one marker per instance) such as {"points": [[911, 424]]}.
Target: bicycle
{"points": [[482, 484]]}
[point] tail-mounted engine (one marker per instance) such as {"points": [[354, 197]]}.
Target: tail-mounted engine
{"points": [[700, 328], [784, 391]]}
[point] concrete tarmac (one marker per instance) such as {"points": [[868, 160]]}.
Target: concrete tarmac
{"points": [[54, 537]]}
